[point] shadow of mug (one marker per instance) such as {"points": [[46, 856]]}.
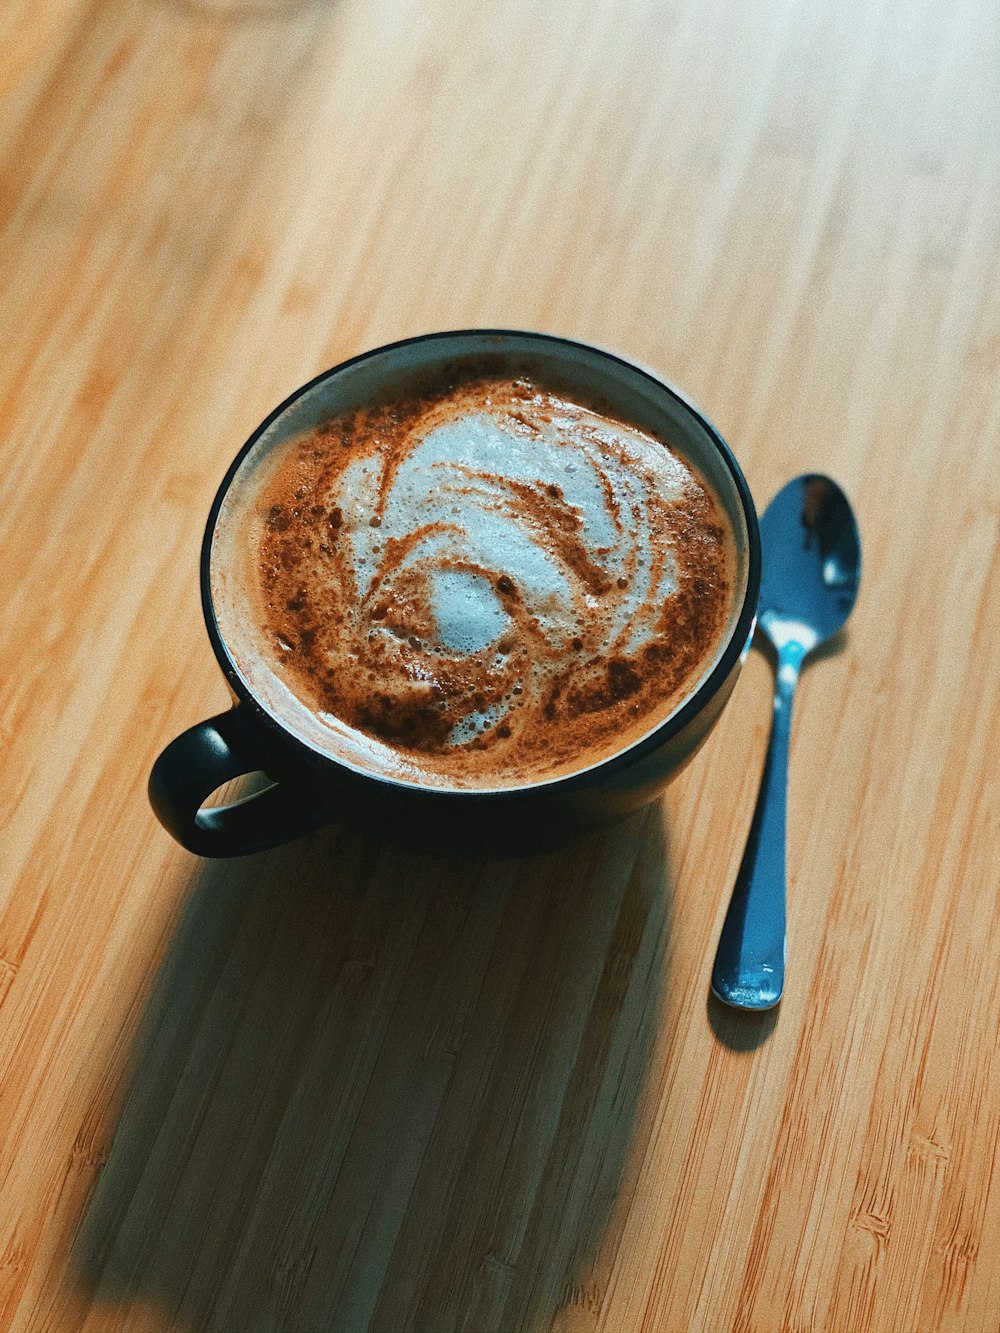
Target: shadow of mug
{"points": [[378, 1091]]}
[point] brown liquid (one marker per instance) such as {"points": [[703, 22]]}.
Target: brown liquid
{"points": [[498, 602]]}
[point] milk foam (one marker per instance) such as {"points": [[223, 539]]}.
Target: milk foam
{"points": [[454, 492], [484, 586]]}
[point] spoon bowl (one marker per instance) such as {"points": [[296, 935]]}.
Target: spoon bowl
{"points": [[812, 562], [811, 572]]}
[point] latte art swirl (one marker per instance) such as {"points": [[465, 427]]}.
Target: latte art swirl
{"points": [[488, 583]]}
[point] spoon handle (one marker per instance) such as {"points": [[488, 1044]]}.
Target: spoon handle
{"points": [[749, 970]]}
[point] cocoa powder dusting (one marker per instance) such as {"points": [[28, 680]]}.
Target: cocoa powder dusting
{"points": [[368, 650]]}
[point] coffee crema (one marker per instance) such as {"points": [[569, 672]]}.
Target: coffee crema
{"points": [[484, 583]]}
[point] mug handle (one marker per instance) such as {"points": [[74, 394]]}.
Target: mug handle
{"points": [[201, 759]]}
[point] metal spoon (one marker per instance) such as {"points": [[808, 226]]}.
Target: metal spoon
{"points": [[812, 568]]}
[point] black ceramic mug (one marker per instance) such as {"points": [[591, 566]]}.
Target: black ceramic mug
{"points": [[309, 788]]}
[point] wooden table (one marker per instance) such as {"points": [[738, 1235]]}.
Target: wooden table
{"points": [[334, 1087]]}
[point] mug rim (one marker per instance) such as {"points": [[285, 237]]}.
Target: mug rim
{"points": [[660, 735]]}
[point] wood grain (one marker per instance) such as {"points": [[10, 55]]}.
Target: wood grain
{"points": [[333, 1087]]}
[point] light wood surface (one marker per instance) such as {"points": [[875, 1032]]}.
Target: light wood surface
{"points": [[333, 1087]]}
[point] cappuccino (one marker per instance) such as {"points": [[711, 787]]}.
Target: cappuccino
{"points": [[485, 581]]}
